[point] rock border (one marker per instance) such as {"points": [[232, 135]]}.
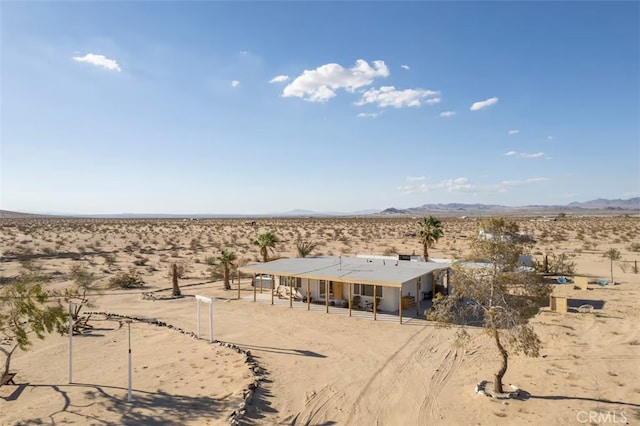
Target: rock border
{"points": [[258, 371]]}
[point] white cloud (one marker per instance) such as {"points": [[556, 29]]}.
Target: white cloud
{"points": [[483, 104], [514, 132], [549, 137], [447, 114], [415, 178], [512, 183], [524, 154], [463, 184], [279, 79], [460, 184], [368, 114], [99, 61], [387, 96], [235, 83], [404, 67], [320, 85]]}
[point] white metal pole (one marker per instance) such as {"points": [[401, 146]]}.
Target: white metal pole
{"points": [[129, 394], [198, 315], [70, 343], [211, 321]]}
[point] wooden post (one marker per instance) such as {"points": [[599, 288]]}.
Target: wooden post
{"points": [[350, 297], [290, 292], [308, 296], [448, 283], [254, 287], [238, 284], [273, 288], [375, 301], [261, 283], [400, 303], [326, 295], [418, 297]]}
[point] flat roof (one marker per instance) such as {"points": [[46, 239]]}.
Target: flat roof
{"points": [[390, 273]]}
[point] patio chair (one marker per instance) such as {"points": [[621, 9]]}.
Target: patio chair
{"points": [[369, 306], [561, 280], [602, 282], [355, 303]]}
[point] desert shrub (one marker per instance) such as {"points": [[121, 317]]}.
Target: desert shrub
{"points": [[183, 268], [129, 279], [49, 251], [109, 259], [82, 277], [555, 265], [141, 261], [635, 247], [391, 251]]}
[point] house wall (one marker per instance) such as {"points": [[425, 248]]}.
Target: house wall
{"points": [[389, 300]]}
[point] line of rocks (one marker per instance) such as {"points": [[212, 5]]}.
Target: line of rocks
{"points": [[258, 371]]}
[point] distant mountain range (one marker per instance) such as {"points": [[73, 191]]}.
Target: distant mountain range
{"points": [[631, 205], [600, 204]]}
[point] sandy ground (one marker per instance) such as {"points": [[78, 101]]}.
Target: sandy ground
{"points": [[330, 369]]}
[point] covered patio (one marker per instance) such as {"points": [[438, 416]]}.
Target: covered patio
{"points": [[335, 285]]}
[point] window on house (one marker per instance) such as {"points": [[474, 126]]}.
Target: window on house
{"points": [[298, 282], [322, 284], [356, 289], [367, 290]]}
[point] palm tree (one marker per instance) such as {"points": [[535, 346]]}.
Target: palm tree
{"points": [[429, 233], [305, 248], [226, 259], [266, 242]]}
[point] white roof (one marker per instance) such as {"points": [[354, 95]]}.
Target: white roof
{"points": [[392, 273]]}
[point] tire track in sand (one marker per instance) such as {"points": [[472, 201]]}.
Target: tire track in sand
{"points": [[449, 363]]}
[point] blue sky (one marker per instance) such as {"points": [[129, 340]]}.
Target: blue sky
{"points": [[209, 107]]}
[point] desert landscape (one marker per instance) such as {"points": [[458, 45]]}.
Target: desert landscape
{"points": [[314, 368]]}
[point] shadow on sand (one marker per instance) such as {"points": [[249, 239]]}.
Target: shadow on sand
{"points": [[147, 408], [284, 351], [524, 395]]}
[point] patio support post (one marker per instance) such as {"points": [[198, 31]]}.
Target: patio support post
{"points": [[350, 297], [448, 280], [418, 297], [326, 295], [273, 288], [308, 296], [261, 283], [400, 302], [290, 292], [375, 301], [254, 287], [238, 271]]}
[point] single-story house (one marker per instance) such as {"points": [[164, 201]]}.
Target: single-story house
{"points": [[377, 283]]}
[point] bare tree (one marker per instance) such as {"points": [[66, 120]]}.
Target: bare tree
{"points": [[174, 278], [612, 254], [498, 295]]}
